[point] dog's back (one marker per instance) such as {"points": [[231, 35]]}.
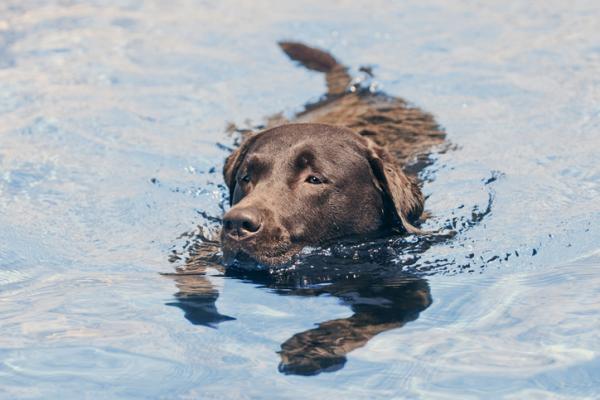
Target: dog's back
{"points": [[407, 132]]}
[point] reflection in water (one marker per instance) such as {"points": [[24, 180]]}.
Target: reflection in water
{"points": [[381, 296], [197, 298], [379, 304], [380, 280]]}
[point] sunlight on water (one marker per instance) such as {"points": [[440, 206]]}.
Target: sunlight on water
{"points": [[113, 132]]}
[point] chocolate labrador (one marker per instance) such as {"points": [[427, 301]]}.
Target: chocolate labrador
{"points": [[336, 170], [342, 169]]}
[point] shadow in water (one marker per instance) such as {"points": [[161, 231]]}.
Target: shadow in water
{"points": [[362, 276], [382, 281], [378, 304], [197, 298]]}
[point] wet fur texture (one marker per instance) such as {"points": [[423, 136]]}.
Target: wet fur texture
{"points": [[360, 145]]}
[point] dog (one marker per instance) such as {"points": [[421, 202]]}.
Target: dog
{"points": [[343, 169], [340, 169]]}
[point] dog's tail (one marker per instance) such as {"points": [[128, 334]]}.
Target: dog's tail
{"points": [[336, 74]]}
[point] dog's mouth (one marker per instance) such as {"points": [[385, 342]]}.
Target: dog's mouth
{"points": [[252, 257], [256, 262], [271, 249], [241, 259]]}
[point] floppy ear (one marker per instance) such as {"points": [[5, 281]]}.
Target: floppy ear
{"points": [[233, 162], [403, 195]]}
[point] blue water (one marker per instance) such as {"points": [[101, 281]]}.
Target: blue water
{"points": [[113, 119]]}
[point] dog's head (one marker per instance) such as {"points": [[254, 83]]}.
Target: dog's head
{"points": [[308, 184]]}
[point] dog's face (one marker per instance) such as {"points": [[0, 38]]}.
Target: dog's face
{"points": [[309, 184]]}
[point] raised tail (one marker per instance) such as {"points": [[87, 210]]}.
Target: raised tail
{"points": [[336, 74]]}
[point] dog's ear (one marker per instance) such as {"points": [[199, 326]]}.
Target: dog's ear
{"points": [[233, 163], [402, 195]]}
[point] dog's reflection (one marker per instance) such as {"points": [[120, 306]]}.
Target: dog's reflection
{"points": [[197, 298], [380, 301], [378, 305]]}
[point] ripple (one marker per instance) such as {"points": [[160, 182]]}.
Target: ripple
{"points": [[99, 98], [12, 276]]}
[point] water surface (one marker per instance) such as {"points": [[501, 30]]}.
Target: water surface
{"points": [[113, 119]]}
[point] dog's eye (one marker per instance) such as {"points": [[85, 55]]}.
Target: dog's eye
{"points": [[246, 178], [314, 180]]}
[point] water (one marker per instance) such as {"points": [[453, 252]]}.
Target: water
{"points": [[112, 135]]}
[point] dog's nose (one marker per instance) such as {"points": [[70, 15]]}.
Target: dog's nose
{"points": [[242, 223]]}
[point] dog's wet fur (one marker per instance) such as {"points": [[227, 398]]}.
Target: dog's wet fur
{"points": [[339, 169], [342, 173]]}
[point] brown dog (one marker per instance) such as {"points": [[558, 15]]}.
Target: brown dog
{"points": [[335, 172]]}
